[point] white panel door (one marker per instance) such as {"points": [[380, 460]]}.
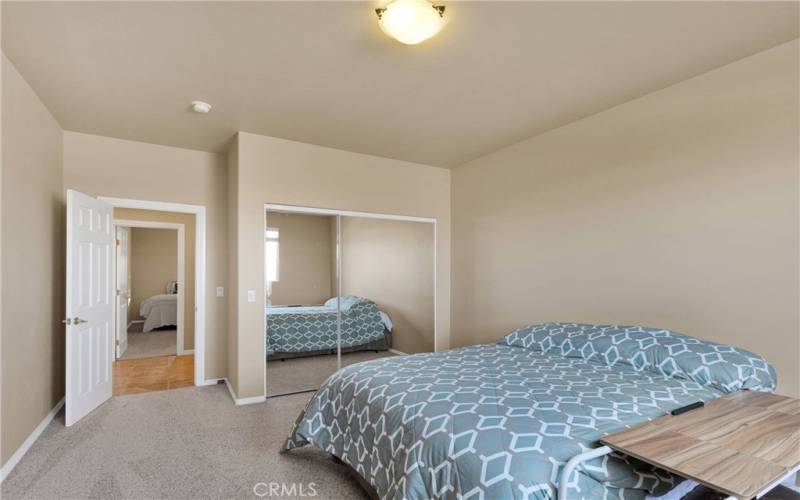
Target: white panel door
{"points": [[123, 288], [90, 306]]}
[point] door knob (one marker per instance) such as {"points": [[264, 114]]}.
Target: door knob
{"points": [[77, 321], [67, 321]]}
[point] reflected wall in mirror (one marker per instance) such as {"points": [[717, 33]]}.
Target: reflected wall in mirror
{"points": [[391, 264], [301, 253], [301, 289]]}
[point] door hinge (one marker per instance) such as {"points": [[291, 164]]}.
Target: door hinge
{"points": [[116, 242], [118, 292], [116, 343]]}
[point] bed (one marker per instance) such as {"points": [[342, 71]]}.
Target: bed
{"points": [[159, 311], [500, 420], [305, 331]]}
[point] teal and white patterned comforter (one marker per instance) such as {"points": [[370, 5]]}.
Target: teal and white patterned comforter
{"points": [[500, 421], [307, 329]]}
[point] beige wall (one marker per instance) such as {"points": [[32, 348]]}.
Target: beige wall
{"points": [[188, 221], [391, 263], [155, 260], [232, 267], [677, 210], [33, 260], [102, 166], [274, 170], [305, 255]]}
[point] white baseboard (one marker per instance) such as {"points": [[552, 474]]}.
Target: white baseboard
{"points": [[26, 445], [230, 389], [399, 353], [243, 401], [212, 381], [185, 352]]}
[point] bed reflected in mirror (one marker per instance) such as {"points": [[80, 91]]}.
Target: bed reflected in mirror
{"points": [[303, 353]]}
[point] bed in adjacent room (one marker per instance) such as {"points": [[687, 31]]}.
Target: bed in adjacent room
{"points": [[307, 331], [501, 420], [159, 311]]}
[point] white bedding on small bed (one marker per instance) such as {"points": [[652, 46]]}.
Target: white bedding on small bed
{"points": [[387, 321], [159, 310]]}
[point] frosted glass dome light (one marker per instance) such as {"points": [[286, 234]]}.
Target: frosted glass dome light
{"points": [[411, 21]]}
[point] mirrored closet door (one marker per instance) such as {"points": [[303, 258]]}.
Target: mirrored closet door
{"points": [[343, 289], [302, 310]]}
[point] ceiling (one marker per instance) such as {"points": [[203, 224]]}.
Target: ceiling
{"points": [[324, 73]]}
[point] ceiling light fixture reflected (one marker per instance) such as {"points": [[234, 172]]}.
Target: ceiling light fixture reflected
{"points": [[411, 21]]}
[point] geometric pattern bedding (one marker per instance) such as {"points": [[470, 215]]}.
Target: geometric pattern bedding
{"points": [[721, 366], [306, 329], [499, 421]]}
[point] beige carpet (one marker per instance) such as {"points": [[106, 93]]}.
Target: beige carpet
{"points": [[301, 374], [184, 443], [151, 344]]}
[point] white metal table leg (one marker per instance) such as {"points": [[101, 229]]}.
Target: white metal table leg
{"points": [[769, 488], [574, 462], [563, 483]]}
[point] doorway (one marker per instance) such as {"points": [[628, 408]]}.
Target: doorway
{"points": [[150, 286], [155, 298]]}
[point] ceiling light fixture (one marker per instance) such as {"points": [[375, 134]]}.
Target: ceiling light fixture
{"points": [[201, 107], [411, 21]]}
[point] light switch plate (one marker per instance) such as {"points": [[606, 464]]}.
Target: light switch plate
{"points": [[220, 291], [251, 296]]}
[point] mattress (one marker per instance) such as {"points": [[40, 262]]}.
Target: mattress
{"points": [[159, 311], [500, 420]]}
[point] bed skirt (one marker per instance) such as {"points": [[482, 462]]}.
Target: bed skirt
{"points": [[383, 344]]}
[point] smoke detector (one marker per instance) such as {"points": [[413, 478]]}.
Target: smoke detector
{"points": [[201, 107]]}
